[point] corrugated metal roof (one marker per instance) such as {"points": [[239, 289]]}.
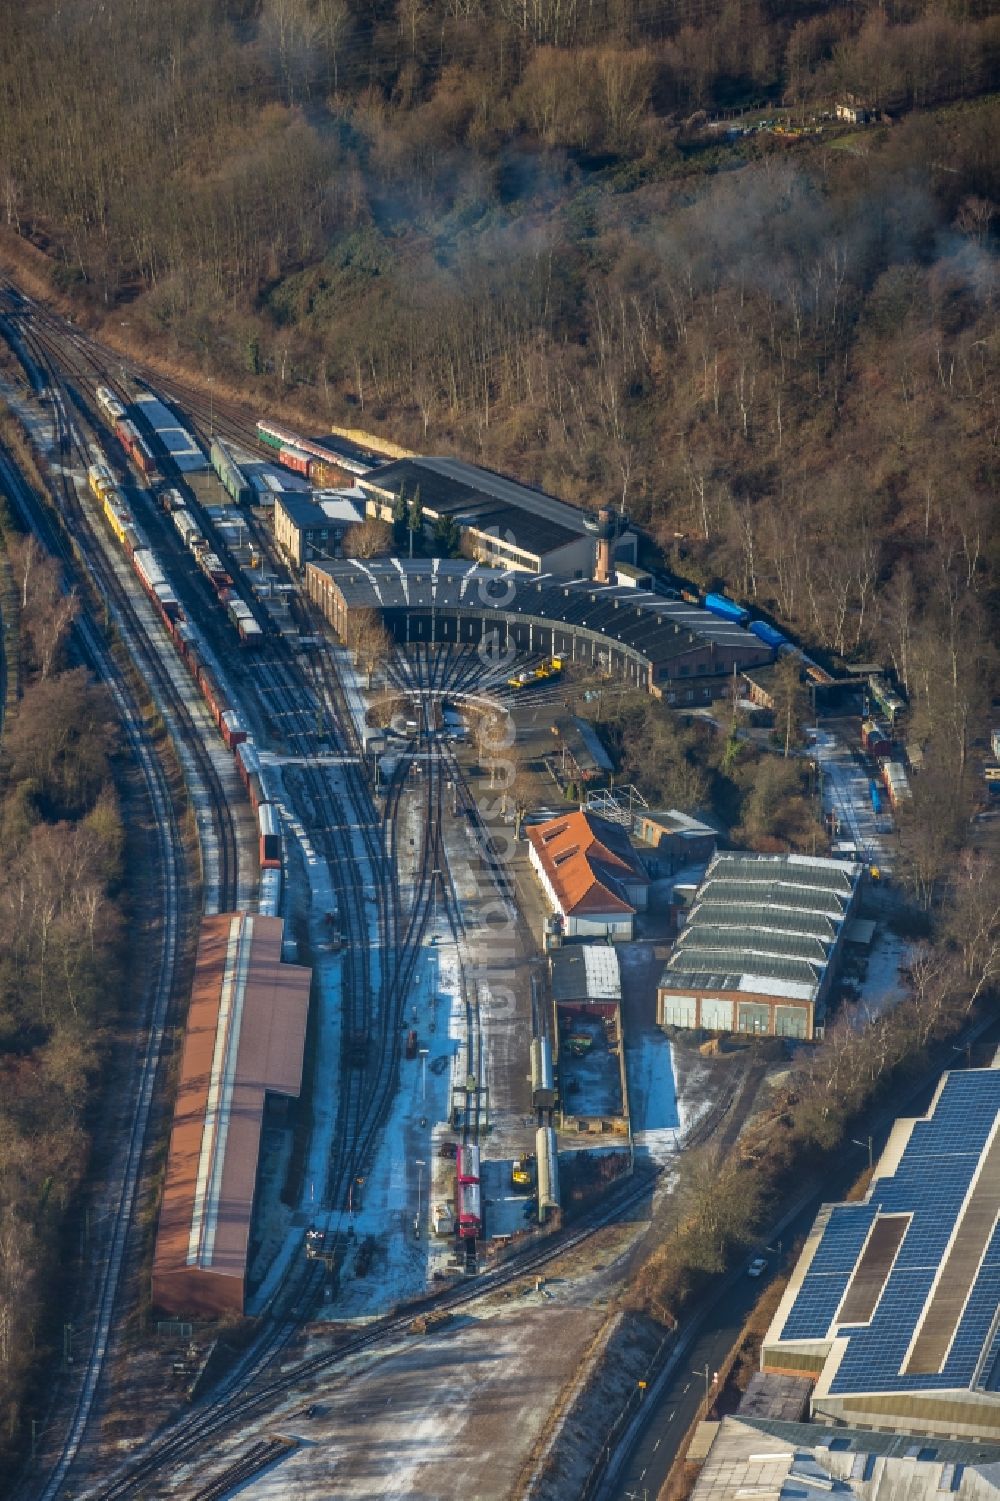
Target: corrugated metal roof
{"points": [[244, 1038], [658, 629], [586, 971], [763, 924]]}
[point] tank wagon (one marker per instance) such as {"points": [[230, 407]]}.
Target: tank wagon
{"points": [[543, 1086], [547, 1157]]}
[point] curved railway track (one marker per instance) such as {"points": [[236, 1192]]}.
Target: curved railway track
{"points": [[354, 837], [167, 843], [142, 634], [74, 545]]}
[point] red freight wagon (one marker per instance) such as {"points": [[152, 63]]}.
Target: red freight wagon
{"points": [[468, 1210], [467, 1164], [232, 729], [293, 458]]}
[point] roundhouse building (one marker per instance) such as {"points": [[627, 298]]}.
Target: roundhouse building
{"points": [[668, 647], [242, 1056]]}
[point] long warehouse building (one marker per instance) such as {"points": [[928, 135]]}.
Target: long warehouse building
{"points": [[243, 1045], [893, 1308], [634, 635]]}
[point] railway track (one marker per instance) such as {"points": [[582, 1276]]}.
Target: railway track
{"points": [[111, 1255], [353, 836], [141, 633], [79, 543]]}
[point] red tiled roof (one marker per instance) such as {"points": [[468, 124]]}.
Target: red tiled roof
{"points": [[586, 858]]}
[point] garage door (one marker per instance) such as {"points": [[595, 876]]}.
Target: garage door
{"points": [[717, 1016], [679, 1011]]}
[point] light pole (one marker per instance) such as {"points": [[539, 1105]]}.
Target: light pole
{"points": [[867, 1142], [211, 406], [125, 324], [421, 1164], [423, 1074], [703, 1373]]}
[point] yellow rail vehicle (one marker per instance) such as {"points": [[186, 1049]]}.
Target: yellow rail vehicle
{"points": [[531, 676], [118, 515], [100, 480]]}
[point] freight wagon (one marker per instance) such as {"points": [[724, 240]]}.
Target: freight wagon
{"points": [[875, 797], [233, 480], [875, 740], [247, 628], [136, 447], [270, 837], [768, 634], [543, 1086], [727, 609], [233, 731], [187, 530], [171, 435], [109, 404], [547, 1158], [100, 480], [896, 783]]}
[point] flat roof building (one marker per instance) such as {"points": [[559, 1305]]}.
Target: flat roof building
{"points": [[745, 1456], [243, 1043], [503, 522], [678, 839], [893, 1308], [586, 972], [671, 648], [759, 949], [590, 874]]}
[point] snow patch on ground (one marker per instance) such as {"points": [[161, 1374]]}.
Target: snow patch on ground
{"points": [[656, 1118], [393, 1252], [883, 987]]}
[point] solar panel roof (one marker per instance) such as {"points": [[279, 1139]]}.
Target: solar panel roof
{"points": [[943, 1156]]}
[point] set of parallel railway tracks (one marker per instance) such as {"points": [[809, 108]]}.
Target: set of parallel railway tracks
{"points": [[111, 1255], [355, 838]]}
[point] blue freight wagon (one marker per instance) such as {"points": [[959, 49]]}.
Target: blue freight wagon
{"points": [[768, 634], [728, 609], [876, 797]]}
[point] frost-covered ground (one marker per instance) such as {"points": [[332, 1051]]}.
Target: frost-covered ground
{"points": [[657, 1126], [393, 1251], [847, 792], [882, 987]]}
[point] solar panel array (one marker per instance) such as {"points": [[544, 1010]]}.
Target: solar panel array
{"points": [[931, 1182]]}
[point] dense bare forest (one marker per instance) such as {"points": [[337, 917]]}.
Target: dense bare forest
{"points": [[537, 233], [59, 936], [514, 231]]}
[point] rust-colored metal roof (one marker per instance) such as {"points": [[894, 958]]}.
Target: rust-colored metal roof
{"points": [[245, 1038], [585, 857]]}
